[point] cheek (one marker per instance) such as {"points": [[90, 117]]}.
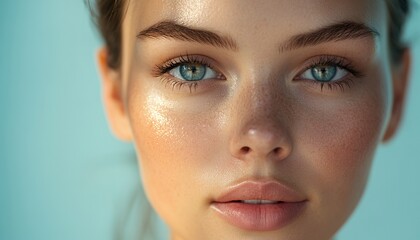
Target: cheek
{"points": [[338, 140], [174, 146], [340, 143]]}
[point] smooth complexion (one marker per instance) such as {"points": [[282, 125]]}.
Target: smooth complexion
{"points": [[258, 115]]}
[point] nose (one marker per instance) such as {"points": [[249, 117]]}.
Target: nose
{"points": [[258, 143], [261, 141], [260, 127]]}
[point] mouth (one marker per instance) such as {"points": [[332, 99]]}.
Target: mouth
{"points": [[259, 206], [256, 202]]}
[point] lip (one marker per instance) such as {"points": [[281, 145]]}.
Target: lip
{"points": [[277, 205]]}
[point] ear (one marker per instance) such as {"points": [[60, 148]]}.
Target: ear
{"points": [[400, 76], [112, 98]]}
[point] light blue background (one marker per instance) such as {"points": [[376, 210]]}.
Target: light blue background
{"points": [[62, 174]]}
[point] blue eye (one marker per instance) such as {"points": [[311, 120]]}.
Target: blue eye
{"points": [[192, 72], [325, 73]]}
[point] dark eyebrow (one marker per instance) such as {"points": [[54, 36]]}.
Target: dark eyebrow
{"points": [[335, 32], [169, 29]]}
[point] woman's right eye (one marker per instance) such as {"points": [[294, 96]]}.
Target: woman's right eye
{"points": [[193, 72], [187, 71]]}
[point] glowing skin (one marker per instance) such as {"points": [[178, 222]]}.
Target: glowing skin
{"points": [[257, 116]]}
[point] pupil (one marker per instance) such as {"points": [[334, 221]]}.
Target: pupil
{"points": [[324, 73], [192, 71]]}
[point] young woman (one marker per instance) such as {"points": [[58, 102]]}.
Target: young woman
{"points": [[253, 119]]}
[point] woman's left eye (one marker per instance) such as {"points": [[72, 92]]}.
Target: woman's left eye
{"points": [[193, 72], [324, 73]]}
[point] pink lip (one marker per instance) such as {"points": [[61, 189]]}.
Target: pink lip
{"points": [[285, 206]]}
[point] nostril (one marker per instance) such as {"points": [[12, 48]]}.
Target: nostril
{"points": [[245, 150], [277, 150]]}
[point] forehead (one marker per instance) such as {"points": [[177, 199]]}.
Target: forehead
{"points": [[244, 17]]}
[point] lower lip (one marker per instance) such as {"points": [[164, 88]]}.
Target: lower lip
{"points": [[259, 217]]}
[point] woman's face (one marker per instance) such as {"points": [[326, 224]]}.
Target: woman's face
{"points": [[278, 102]]}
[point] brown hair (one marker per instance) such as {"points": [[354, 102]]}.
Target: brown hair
{"points": [[108, 16]]}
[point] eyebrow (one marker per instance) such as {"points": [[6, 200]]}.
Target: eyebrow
{"points": [[335, 32], [168, 29]]}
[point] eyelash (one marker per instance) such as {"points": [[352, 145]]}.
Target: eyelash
{"points": [[324, 60]]}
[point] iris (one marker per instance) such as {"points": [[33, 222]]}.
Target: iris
{"points": [[324, 73], [192, 71]]}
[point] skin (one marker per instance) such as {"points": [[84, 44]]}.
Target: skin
{"points": [[190, 144]]}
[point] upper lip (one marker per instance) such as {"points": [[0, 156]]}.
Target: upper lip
{"points": [[259, 190]]}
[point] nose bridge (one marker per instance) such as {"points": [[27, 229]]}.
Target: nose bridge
{"points": [[260, 120], [264, 97], [262, 101]]}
